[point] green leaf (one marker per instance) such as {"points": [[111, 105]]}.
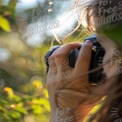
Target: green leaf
{"points": [[5, 117], [3, 102], [15, 114], [4, 24], [45, 103], [37, 109], [21, 110], [2, 109]]}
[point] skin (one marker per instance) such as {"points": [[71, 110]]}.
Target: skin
{"points": [[69, 87]]}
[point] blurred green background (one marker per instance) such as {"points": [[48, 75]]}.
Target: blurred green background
{"points": [[23, 94]]}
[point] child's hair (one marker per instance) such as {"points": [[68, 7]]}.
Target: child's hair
{"points": [[97, 16], [101, 13]]}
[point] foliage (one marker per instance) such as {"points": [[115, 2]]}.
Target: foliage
{"points": [[21, 99], [7, 15], [23, 94], [14, 106]]}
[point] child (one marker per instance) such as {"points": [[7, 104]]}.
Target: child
{"points": [[72, 97]]}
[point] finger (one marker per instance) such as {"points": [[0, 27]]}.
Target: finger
{"points": [[65, 49], [61, 55], [62, 64], [83, 61], [52, 65]]}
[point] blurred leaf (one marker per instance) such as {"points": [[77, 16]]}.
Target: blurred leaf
{"points": [[45, 92], [21, 110], [45, 103], [4, 24], [16, 98], [12, 3], [37, 109], [2, 109], [15, 114], [6, 117], [6, 9], [3, 102]]}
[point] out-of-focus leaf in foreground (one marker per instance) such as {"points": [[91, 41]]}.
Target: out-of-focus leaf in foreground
{"points": [[4, 24]]}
